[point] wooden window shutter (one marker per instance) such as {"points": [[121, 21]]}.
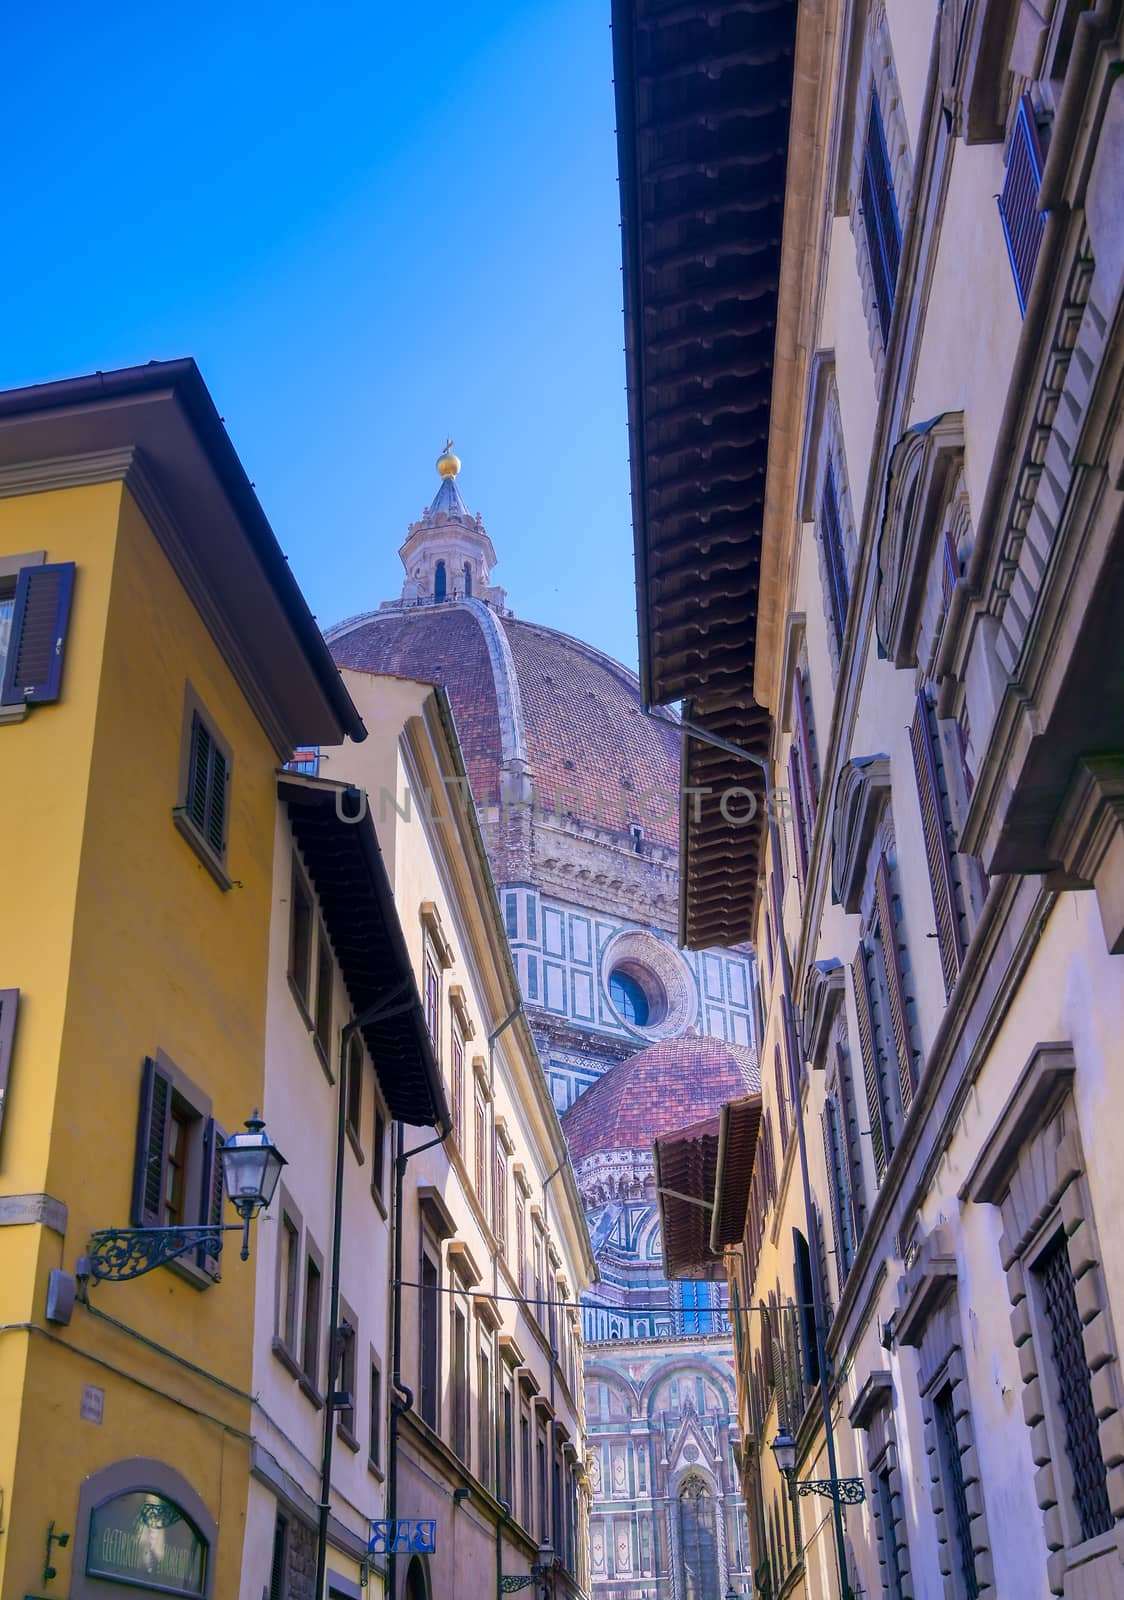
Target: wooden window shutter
{"points": [[211, 1196], [868, 1049], [38, 640], [804, 745], [832, 533], [926, 766], [9, 1003], [152, 1146], [782, 1097], [799, 814], [1023, 223], [880, 216], [842, 1216], [899, 1017], [208, 777]]}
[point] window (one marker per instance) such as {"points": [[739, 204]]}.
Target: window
{"points": [[374, 1435], [432, 1000], [527, 1505], [694, 1299], [481, 1150], [486, 1433], [1071, 1384], [300, 937], [440, 582], [835, 558], [884, 1501], [507, 1452], [355, 1092], [324, 999], [288, 1283], [460, 1383], [880, 216], [1023, 223], [343, 1381], [310, 1335], [468, 580], [207, 794], [544, 1505], [177, 1177], [628, 996], [278, 1565], [458, 1090], [948, 880], [782, 1098], [521, 1241], [499, 1204], [430, 1337], [839, 1185], [511, 915], [34, 618], [378, 1154], [956, 1501]]}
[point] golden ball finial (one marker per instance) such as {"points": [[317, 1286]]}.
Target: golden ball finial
{"points": [[448, 465]]}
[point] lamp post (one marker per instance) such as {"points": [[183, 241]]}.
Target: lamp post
{"points": [[251, 1168], [845, 1491]]}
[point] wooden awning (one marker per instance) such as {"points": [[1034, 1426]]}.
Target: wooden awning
{"points": [[703, 1174], [703, 99]]}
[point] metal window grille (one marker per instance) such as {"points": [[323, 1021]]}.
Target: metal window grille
{"points": [[1082, 1441], [1023, 223], [880, 216], [832, 534], [955, 1497]]}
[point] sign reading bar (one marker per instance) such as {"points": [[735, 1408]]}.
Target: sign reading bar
{"points": [[146, 1539], [405, 1537]]}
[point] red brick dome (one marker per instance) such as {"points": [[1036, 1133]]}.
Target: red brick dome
{"points": [[666, 1086], [531, 701]]}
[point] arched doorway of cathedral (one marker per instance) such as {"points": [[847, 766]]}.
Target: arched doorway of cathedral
{"points": [[417, 1582], [698, 1538]]}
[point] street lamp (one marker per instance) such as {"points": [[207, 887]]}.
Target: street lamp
{"points": [[251, 1167], [843, 1491]]}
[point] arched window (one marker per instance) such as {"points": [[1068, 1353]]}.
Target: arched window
{"points": [[627, 994], [468, 580], [440, 582], [699, 1540]]}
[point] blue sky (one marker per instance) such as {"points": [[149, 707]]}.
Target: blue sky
{"points": [[372, 225]]}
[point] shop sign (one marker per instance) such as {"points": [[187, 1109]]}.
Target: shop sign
{"points": [[405, 1537], [143, 1538]]}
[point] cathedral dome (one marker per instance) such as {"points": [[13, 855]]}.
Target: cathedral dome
{"points": [[665, 1087], [541, 717]]}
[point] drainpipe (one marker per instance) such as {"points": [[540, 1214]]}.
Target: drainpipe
{"points": [[795, 1053], [396, 1000], [397, 1387], [553, 1364]]}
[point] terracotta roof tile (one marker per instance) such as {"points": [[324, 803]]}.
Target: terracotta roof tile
{"points": [[660, 1089]]}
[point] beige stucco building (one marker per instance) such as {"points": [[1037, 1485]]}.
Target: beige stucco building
{"points": [[486, 1431], [874, 262]]}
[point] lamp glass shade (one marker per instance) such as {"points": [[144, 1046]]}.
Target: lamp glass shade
{"points": [[784, 1450], [251, 1167]]}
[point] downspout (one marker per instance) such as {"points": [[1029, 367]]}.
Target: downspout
{"points": [[397, 1387], [553, 1364], [388, 1005], [497, 1380]]}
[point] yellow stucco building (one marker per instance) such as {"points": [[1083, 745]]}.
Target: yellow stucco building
{"points": [[159, 663]]}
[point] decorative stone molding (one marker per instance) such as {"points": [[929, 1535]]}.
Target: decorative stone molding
{"points": [[435, 932], [928, 1283], [464, 1263], [1033, 1168], [823, 995], [435, 1213], [459, 1004], [924, 468], [861, 794], [1088, 840], [872, 1413]]}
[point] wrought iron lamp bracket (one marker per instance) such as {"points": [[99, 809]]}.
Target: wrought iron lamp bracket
{"points": [[514, 1584], [114, 1255], [847, 1491]]}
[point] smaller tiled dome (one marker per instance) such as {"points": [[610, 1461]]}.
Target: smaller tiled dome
{"points": [[667, 1086]]}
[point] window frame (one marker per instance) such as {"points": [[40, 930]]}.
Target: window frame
{"points": [[353, 1112], [309, 1381], [300, 895], [347, 1377], [375, 1414], [288, 1285], [198, 1269], [323, 1015]]}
